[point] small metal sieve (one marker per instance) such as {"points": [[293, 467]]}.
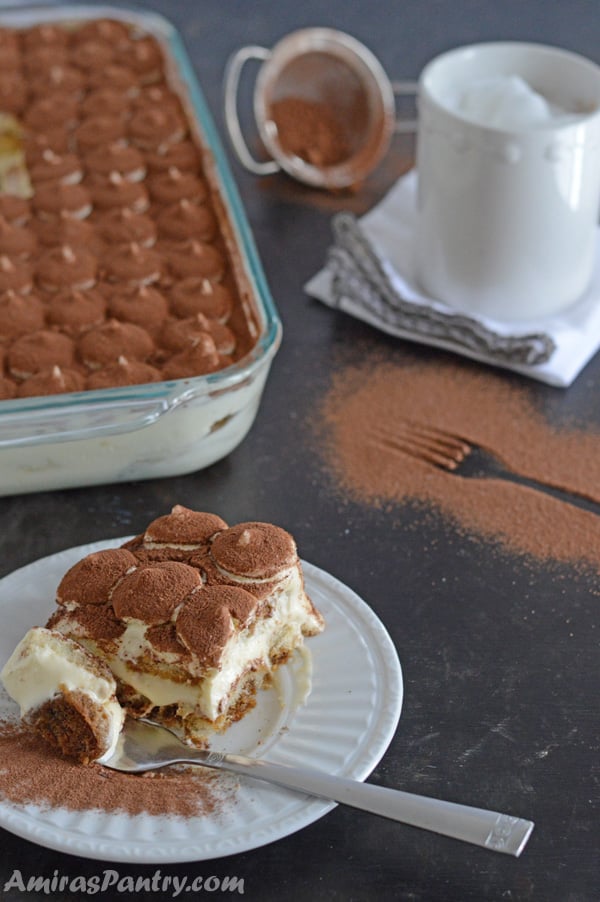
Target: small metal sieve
{"points": [[328, 71]]}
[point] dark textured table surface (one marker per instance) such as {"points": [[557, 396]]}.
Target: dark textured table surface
{"points": [[461, 616]]}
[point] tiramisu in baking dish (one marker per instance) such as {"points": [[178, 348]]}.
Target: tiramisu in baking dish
{"points": [[129, 283]]}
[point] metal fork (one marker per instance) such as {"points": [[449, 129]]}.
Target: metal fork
{"points": [[144, 745], [457, 455]]}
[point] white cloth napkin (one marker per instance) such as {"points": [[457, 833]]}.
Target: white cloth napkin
{"points": [[369, 274]]}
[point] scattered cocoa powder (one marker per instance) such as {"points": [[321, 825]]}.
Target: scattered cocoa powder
{"points": [[310, 130], [32, 771], [363, 411]]}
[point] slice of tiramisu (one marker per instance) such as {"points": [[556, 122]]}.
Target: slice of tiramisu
{"points": [[192, 616]]}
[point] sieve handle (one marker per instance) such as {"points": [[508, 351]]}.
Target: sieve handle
{"points": [[405, 89], [233, 74]]}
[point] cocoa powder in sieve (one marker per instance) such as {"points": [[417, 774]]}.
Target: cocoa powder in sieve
{"points": [[310, 130], [33, 772], [362, 411]]}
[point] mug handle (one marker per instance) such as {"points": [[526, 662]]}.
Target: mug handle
{"points": [[405, 89], [232, 79]]}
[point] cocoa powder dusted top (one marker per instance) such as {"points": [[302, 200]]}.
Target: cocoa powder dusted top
{"points": [[57, 109], [258, 550], [185, 219], [105, 102], [205, 623], [141, 53], [139, 304], [123, 372], [115, 190], [120, 199], [192, 258], [52, 167], [104, 344], [44, 35], [91, 54], [114, 75], [174, 185], [90, 580], [15, 209], [15, 240], [19, 314], [183, 528], [38, 351], [183, 155], [153, 592], [52, 199], [202, 357], [59, 77], [75, 310], [155, 130], [99, 129], [56, 139], [189, 580], [123, 159], [197, 295], [123, 226], [109, 30], [65, 231], [15, 275], [214, 575], [179, 334], [133, 265], [53, 381], [66, 267]]}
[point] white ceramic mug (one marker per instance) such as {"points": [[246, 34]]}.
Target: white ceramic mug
{"points": [[507, 217]]}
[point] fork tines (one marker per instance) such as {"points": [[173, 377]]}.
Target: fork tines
{"points": [[426, 443]]}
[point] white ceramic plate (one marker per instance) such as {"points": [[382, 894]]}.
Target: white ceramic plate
{"points": [[344, 728]]}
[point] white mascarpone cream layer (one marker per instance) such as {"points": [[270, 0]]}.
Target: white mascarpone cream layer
{"points": [[45, 664]]}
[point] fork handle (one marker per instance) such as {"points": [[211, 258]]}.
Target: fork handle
{"points": [[490, 829], [568, 496]]}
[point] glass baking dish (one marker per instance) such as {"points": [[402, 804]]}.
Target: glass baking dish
{"points": [[159, 429]]}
